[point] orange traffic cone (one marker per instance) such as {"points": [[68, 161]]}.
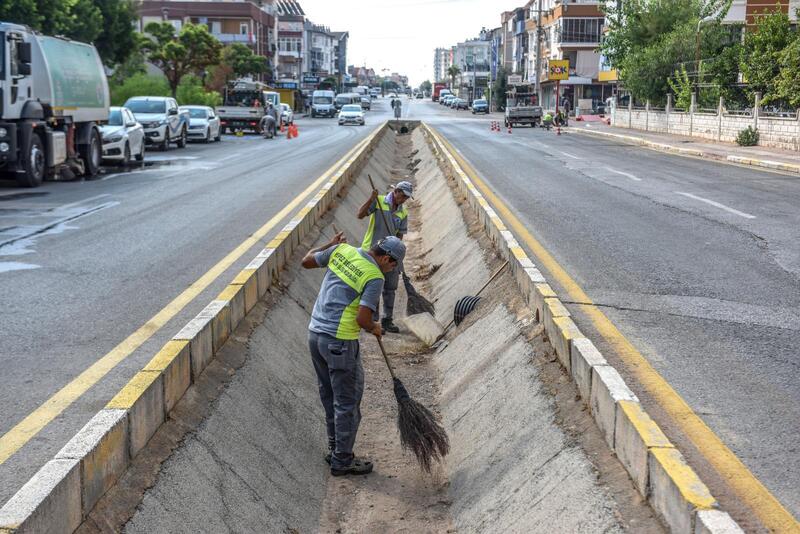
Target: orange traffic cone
{"points": [[509, 127], [294, 131], [283, 127]]}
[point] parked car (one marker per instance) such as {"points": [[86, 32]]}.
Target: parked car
{"points": [[480, 106], [447, 100], [163, 122], [351, 114], [460, 103], [204, 124], [287, 115], [366, 102], [123, 136], [419, 95]]}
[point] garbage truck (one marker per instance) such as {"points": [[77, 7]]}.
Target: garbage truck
{"points": [[53, 95]]}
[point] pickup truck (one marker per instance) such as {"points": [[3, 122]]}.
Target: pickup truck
{"points": [[162, 120], [521, 109]]}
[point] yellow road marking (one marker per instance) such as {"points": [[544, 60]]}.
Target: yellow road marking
{"points": [[747, 487], [34, 422]]}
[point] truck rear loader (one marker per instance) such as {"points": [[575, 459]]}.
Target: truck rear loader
{"points": [[53, 94]]}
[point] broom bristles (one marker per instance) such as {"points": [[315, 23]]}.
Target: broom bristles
{"points": [[420, 432], [416, 303]]}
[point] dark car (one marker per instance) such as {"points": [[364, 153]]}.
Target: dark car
{"points": [[480, 106], [461, 104]]}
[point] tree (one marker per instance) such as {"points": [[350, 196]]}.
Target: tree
{"points": [[761, 53], [108, 24], [192, 92], [500, 88], [243, 61], [787, 85], [117, 42], [426, 86], [190, 52], [453, 71], [136, 85]]}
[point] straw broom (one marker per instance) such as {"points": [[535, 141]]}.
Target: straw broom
{"points": [[420, 432]]}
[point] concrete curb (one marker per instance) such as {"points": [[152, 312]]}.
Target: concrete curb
{"points": [[631, 139], [63, 492], [657, 469]]}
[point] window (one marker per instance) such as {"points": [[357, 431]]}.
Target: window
{"points": [[583, 30], [244, 28]]}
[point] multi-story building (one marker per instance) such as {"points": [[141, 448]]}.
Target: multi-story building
{"points": [[320, 50], [571, 29], [340, 55], [253, 23], [291, 25], [747, 11], [507, 49], [473, 58], [519, 48], [362, 76], [442, 59]]}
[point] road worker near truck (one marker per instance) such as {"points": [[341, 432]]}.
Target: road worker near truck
{"points": [[392, 205], [347, 300]]}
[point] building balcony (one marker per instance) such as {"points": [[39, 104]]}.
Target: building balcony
{"points": [[235, 38]]}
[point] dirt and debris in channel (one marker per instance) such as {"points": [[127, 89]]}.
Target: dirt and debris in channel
{"points": [[398, 496]]}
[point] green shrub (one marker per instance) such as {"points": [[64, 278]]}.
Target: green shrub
{"points": [[191, 92], [747, 137], [138, 85]]}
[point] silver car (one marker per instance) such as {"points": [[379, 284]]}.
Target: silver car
{"points": [[204, 123], [287, 115]]}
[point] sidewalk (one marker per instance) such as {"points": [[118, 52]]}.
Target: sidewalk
{"points": [[770, 158]]}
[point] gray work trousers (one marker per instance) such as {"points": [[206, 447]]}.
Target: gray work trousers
{"points": [[340, 377], [390, 281]]}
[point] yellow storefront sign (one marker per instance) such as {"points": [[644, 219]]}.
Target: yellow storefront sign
{"points": [[558, 69]]}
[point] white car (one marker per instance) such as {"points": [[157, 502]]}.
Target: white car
{"points": [[203, 123], [163, 122], [123, 136], [351, 114], [287, 115]]}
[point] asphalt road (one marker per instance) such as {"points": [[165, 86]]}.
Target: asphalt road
{"points": [[696, 262], [85, 264]]}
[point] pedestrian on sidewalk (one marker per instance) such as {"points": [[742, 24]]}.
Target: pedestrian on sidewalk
{"points": [[393, 207], [348, 297]]}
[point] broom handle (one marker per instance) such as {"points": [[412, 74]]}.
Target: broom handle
{"points": [[495, 275], [383, 215], [386, 358]]}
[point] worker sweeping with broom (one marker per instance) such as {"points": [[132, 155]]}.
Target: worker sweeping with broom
{"points": [[347, 299], [393, 221]]}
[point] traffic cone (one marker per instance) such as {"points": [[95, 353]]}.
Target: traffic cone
{"points": [[289, 132], [283, 127], [295, 132], [509, 127]]}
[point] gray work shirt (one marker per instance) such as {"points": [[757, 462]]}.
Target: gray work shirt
{"points": [[400, 225], [335, 295]]}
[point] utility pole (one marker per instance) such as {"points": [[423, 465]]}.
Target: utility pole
{"points": [[538, 62]]}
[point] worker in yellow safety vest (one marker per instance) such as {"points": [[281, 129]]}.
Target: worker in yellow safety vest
{"points": [[347, 299], [396, 216]]}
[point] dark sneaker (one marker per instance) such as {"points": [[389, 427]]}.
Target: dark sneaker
{"points": [[389, 326], [357, 466], [328, 458]]}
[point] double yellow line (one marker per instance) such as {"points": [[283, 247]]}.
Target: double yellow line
{"points": [[33, 423], [733, 472]]}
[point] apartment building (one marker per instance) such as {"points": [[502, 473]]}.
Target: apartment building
{"points": [[570, 29], [291, 27], [747, 11], [473, 58], [442, 59], [507, 48], [252, 23]]}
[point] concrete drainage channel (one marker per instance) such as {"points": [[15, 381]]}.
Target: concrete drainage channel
{"points": [[223, 430]]}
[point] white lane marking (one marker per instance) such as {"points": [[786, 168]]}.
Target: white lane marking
{"points": [[717, 205], [85, 200], [6, 266], [625, 174], [570, 155], [230, 157]]}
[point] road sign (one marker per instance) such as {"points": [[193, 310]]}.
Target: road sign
{"points": [[310, 79], [558, 69], [514, 79]]}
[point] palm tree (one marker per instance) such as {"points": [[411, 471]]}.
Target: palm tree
{"points": [[453, 71]]}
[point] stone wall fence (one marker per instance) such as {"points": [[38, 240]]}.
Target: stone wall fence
{"points": [[717, 125]]}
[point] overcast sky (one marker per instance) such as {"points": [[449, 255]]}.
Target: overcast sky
{"points": [[401, 35]]}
